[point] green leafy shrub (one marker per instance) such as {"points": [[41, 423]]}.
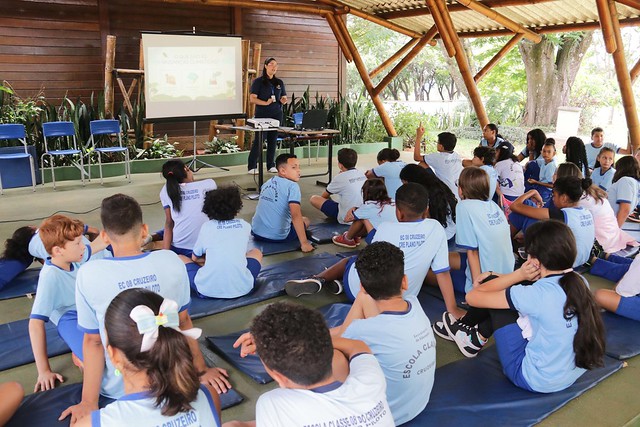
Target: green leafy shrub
{"points": [[220, 146], [160, 148]]}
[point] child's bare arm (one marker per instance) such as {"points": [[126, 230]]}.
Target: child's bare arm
{"points": [[446, 288], [46, 378], [298, 225], [417, 156], [168, 229], [349, 347], [98, 244]]}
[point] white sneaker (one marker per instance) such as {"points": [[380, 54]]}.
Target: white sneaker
{"points": [[253, 171], [273, 170]]}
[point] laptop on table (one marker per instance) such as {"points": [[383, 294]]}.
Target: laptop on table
{"points": [[314, 120]]}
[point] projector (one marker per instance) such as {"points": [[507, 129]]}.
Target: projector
{"points": [[263, 123]]}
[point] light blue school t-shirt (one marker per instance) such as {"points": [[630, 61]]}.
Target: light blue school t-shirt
{"points": [[580, 221], [405, 347], [624, 190], [376, 213], [546, 170], [390, 171], [485, 143], [603, 180], [56, 290], [273, 216], [100, 281], [592, 152], [225, 273], [482, 226], [37, 250], [424, 245], [493, 179], [549, 361]]}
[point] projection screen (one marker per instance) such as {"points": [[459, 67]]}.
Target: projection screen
{"points": [[192, 77]]}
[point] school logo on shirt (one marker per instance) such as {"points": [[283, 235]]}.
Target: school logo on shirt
{"points": [[411, 240], [586, 220], [495, 218], [506, 182]]}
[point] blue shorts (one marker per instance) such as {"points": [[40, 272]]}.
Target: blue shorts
{"points": [[629, 307], [330, 209], [253, 265], [179, 251], [69, 332], [291, 236], [345, 278], [511, 350], [369, 237], [459, 277]]}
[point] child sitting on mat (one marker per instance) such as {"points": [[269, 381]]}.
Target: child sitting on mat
{"points": [[278, 216], [56, 297], [395, 327], [220, 253], [547, 166], [100, 281], [89, 234], [484, 158], [625, 299], [322, 380], [376, 209], [446, 163], [16, 257], [602, 175], [623, 192], [182, 198], [547, 334], [347, 185], [153, 355], [422, 240], [388, 169]]}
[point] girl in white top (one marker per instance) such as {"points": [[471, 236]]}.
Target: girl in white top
{"points": [[182, 198], [510, 172], [623, 193], [152, 354]]}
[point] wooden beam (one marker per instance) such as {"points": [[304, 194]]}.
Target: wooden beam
{"points": [[393, 58], [410, 13], [266, 5], [400, 66], [257, 65], [501, 54], [445, 34], [368, 84], [630, 3], [109, 62], [331, 20], [147, 128], [624, 81], [635, 72], [606, 25], [236, 23], [501, 19]]}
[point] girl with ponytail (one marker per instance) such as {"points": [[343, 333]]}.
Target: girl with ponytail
{"points": [[389, 167], [182, 198], [548, 333], [153, 356]]}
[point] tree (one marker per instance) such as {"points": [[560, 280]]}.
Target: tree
{"points": [[551, 67]]}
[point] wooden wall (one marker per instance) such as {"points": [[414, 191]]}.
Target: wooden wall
{"points": [[59, 44]]}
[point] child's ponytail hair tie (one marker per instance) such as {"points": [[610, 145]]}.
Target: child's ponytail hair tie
{"points": [[568, 270]]}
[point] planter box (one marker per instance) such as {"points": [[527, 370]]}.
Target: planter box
{"points": [[17, 172], [224, 160]]}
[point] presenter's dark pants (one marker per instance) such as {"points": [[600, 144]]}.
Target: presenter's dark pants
{"points": [[271, 146]]}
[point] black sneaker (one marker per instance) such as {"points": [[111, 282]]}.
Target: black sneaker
{"points": [[308, 286], [635, 216], [466, 337], [440, 330], [597, 251], [334, 286]]}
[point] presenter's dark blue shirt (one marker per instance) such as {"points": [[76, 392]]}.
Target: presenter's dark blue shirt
{"points": [[264, 90]]}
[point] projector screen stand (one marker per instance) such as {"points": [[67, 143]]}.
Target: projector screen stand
{"points": [[193, 164]]}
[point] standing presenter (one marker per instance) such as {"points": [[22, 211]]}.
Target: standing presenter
{"points": [[269, 95]]}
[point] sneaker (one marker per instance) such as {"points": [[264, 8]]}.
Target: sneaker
{"points": [[308, 286], [253, 171], [466, 337], [596, 252], [440, 330], [273, 170], [344, 241], [334, 286], [634, 217]]}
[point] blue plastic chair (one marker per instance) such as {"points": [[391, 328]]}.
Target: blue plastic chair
{"points": [[64, 131], [15, 131], [108, 127]]}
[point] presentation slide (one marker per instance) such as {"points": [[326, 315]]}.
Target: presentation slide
{"points": [[192, 76]]}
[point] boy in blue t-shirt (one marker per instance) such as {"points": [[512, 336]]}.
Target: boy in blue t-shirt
{"points": [[446, 163], [347, 185], [395, 327], [55, 300], [278, 215], [99, 281]]}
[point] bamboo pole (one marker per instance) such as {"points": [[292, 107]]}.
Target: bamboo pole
{"points": [[109, 63], [624, 81], [606, 26], [501, 19], [630, 3], [393, 57], [467, 77], [400, 66], [501, 54], [443, 11], [635, 72], [421, 11], [368, 84], [331, 20], [442, 29]]}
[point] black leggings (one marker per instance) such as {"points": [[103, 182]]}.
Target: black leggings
{"points": [[489, 320]]}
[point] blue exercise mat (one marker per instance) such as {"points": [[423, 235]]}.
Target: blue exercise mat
{"points": [[23, 284], [348, 254], [623, 336], [432, 305], [631, 226], [323, 232], [269, 284], [251, 365], [273, 248], [475, 392], [43, 409], [15, 346], [628, 252]]}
